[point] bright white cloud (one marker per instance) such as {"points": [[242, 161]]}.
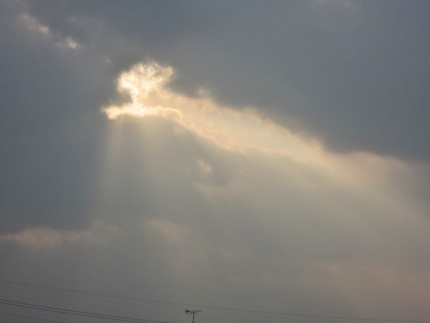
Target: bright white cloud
{"points": [[147, 87]]}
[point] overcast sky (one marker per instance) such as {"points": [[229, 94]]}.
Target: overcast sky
{"points": [[244, 158]]}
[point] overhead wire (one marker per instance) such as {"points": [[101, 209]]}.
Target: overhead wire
{"points": [[350, 318], [30, 318], [77, 313]]}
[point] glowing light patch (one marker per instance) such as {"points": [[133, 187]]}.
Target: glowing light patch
{"points": [[144, 78], [146, 85], [140, 83], [141, 111], [245, 130]]}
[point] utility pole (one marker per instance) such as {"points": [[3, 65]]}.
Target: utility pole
{"points": [[192, 312]]}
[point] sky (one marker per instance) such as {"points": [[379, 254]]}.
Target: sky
{"points": [[259, 161]]}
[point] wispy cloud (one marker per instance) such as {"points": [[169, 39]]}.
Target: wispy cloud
{"points": [[53, 239], [44, 32]]}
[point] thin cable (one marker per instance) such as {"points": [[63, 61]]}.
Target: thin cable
{"points": [[30, 318], [351, 318], [97, 294], [77, 313]]}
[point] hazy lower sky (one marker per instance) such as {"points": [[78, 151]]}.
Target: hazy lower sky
{"points": [[263, 161]]}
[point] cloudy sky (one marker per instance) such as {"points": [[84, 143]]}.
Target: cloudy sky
{"points": [[259, 161]]}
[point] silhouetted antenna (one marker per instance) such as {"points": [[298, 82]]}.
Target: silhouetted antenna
{"points": [[192, 312]]}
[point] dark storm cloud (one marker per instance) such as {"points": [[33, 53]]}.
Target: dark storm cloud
{"points": [[353, 74]]}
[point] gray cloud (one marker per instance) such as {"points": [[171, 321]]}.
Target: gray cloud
{"points": [[149, 208], [352, 74], [41, 108]]}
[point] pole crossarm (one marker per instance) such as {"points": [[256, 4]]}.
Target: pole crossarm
{"points": [[192, 312]]}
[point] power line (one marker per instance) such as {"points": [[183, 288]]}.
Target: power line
{"points": [[30, 318], [94, 294], [77, 313], [351, 318]]}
